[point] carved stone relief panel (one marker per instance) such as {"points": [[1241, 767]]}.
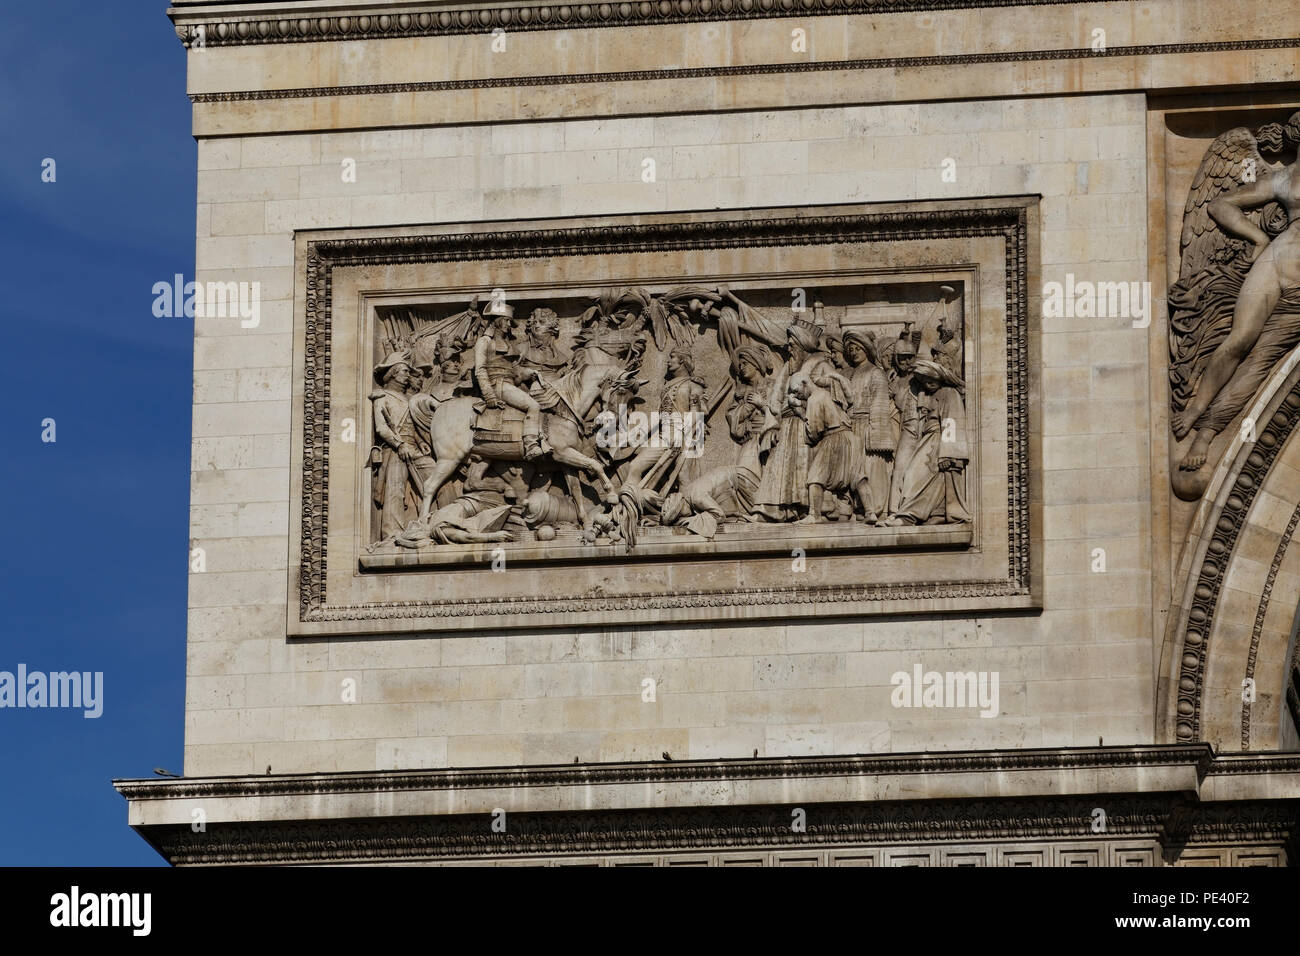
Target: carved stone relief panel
{"points": [[1234, 310], [1232, 200], [670, 420], [692, 417]]}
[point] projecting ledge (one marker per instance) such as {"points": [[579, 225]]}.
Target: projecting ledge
{"points": [[698, 783]]}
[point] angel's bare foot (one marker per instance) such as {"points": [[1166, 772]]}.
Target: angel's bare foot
{"points": [[1199, 451], [810, 519], [1182, 422]]}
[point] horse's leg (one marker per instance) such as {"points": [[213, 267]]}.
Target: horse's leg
{"points": [[576, 459], [451, 435], [443, 469]]}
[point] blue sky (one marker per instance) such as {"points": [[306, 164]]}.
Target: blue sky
{"points": [[96, 531]]}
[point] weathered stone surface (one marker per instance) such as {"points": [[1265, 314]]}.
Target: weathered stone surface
{"points": [[318, 644], [963, 809]]}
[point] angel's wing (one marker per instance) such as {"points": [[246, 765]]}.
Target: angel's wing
{"points": [[1230, 159]]}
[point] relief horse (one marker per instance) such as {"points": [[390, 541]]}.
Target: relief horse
{"points": [[597, 373]]}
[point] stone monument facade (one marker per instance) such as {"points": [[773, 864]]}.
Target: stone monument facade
{"points": [[743, 433]]}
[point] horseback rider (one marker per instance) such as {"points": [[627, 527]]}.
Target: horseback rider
{"points": [[541, 350], [498, 375]]}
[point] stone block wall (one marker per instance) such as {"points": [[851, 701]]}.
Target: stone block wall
{"points": [[1080, 670]]}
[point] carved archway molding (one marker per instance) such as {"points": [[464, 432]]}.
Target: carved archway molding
{"points": [[1236, 584]]}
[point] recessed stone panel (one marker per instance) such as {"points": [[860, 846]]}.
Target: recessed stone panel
{"points": [[625, 418]]}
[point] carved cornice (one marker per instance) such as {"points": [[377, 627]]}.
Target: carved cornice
{"points": [[1200, 756], [656, 600], [674, 829], [660, 236], [1030, 810], [750, 69], [1188, 822], [1009, 222], [1236, 823], [1254, 763], [403, 23]]}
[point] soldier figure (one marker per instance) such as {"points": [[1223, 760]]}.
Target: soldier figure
{"points": [[541, 352], [403, 458], [495, 372], [948, 352], [728, 490], [681, 407]]}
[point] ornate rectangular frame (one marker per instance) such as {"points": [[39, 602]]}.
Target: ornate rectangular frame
{"points": [[998, 569]]}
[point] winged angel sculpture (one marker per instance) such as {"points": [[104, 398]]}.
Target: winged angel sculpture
{"points": [[1234, 312]]}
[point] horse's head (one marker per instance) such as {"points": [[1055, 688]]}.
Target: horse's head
{"points": [[610, 346], [619, 388]]}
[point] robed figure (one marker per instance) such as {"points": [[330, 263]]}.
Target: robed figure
{"points": [[930, 469], [783, 491], [874, 419]]}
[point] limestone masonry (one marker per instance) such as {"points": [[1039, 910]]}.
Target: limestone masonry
{"points": [[661, 416]]}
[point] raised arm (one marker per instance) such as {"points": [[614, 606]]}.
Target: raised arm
{"points": [[1228, 209]]}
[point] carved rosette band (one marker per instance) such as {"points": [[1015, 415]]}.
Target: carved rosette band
{"points": [[444, 22], [746, 69]]}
